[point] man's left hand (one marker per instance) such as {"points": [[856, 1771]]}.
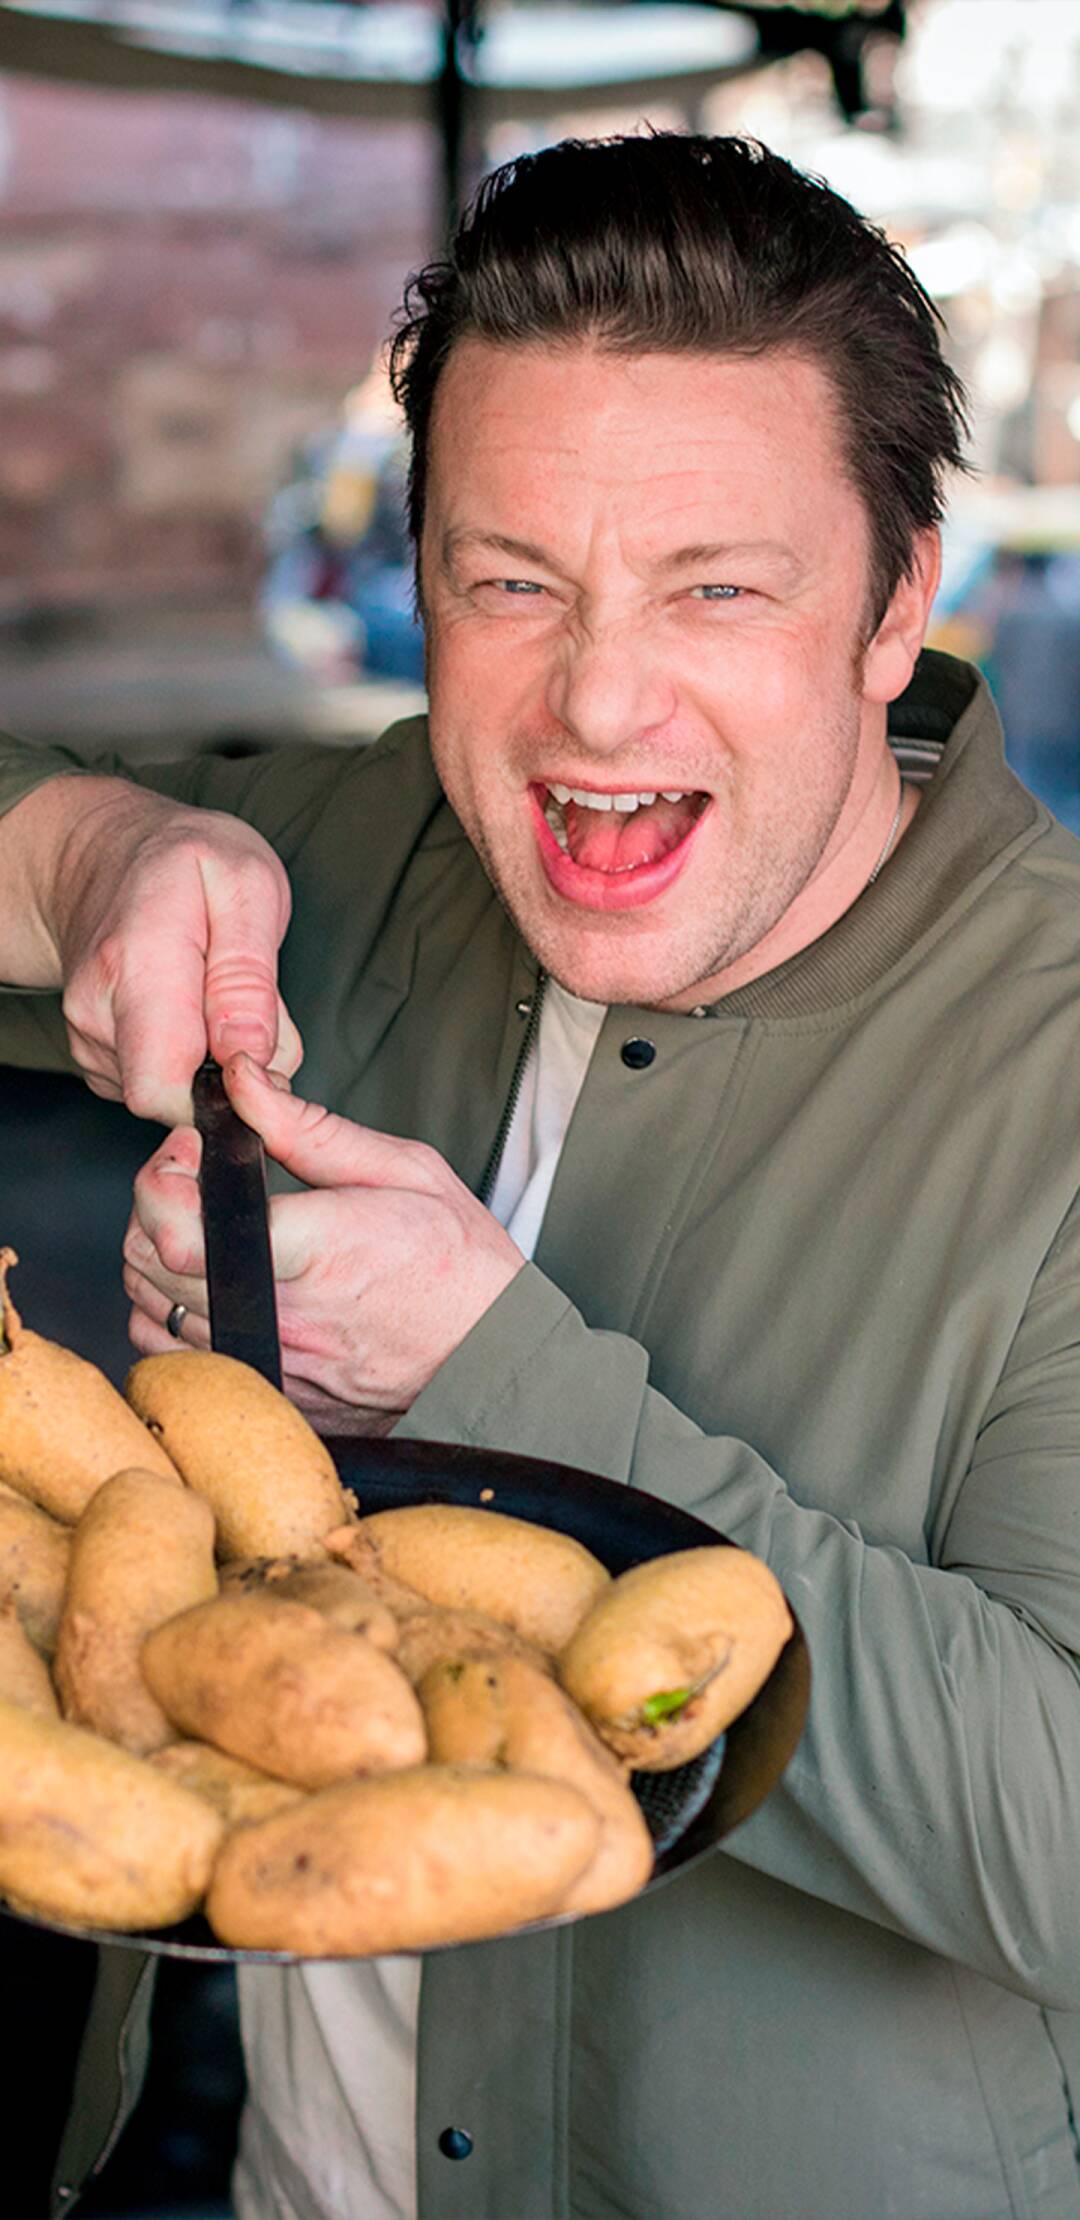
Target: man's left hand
{"points": [[382, 1267]]}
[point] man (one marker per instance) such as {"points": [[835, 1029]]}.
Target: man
{"points": [[788, 1013]]}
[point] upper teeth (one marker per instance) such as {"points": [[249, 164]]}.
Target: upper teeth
{"points": [[623, 802]]}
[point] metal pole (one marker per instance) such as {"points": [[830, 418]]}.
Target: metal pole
{"points": [[450, 98]]}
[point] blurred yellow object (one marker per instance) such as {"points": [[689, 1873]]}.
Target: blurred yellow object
{"points": [[960, 635], [348, 504]]}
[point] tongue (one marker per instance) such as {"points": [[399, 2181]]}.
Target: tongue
{"points": [[608, 840]]}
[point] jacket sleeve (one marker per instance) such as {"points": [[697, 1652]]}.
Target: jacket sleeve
{"points": [[278, 790], [269, 790], [936, 1789], [281, 792]]}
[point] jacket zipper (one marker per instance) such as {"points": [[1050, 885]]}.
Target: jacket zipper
{"points": [[491, 1169]]}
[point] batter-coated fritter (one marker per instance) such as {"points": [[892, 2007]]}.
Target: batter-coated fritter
{"points": [[34, 1550], [426, 1631], [274, 1684], [142, 1551], [674, 1651], [405, 1862], [63, 1427], [429, 1635], [93, 1836], [332, 1589], [272, 1486], [24, 1675], [239, 1792], [503, 1711], [535, 1580]]}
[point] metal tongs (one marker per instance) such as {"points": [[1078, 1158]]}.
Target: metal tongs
{"points": [[239, 1265]]}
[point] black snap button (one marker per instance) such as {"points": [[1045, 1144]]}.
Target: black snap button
{"points": [[637, 1054], [455, 2143]]}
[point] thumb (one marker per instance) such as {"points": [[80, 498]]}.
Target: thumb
{"points": [[315, 1144], [240, 995]]}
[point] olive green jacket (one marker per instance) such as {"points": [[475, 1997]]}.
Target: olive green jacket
{"points": [[815, 1274]]}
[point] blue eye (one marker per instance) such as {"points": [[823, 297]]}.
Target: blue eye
{"points": [[518, 585], [718, 593]]}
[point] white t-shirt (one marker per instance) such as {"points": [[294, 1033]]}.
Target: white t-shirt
{"points": [[328, 2131]]}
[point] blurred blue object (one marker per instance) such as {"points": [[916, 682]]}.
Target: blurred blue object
{"points": [[1010, 600], [394, 641], [1034, 669], [337, 597]]}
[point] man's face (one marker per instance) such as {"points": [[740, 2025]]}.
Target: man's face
{"points": [[644, 576]]}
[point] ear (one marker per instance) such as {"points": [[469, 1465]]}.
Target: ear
{"points": [[890, 658]]}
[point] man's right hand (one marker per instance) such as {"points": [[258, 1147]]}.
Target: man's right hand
{"points": [[167, 923]]}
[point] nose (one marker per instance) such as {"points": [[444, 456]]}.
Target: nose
{"points": [[607, 689]]}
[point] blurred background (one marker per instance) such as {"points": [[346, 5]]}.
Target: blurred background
{"points": [[209, 209]]}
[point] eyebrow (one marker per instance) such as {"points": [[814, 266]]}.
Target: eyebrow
{"points": [[525, 550], [705, 553], [701, 554]]}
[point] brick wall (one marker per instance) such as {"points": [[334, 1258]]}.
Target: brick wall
{"points": [[187, 288]]}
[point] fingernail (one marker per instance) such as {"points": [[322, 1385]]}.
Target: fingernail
{"points": [[234, 1037]]}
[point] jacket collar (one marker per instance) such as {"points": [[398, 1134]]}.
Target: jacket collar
{"points": [[974, 815]]}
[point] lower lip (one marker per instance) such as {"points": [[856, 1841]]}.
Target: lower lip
{"points": [[607, 890]]}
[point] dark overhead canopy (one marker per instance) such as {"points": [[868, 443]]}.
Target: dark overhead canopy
{"points": [[521, 68], [348, 57], [450, 63]]}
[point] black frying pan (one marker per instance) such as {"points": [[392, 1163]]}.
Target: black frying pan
{"points": [[689, 1810]]}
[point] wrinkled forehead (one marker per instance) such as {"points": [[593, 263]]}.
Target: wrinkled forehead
{"points": [[666, 449]]}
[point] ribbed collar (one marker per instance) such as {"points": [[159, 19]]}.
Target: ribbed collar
{"points": [[971, 813]]}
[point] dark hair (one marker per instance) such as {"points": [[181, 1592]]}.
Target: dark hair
{"points": [[678, 244]]}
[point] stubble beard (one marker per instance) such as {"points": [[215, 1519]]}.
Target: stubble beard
{"points": [[625, 958]]}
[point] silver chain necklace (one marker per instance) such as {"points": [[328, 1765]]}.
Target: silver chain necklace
{"points": [[893, 830]]}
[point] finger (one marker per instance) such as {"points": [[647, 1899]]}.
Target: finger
{"points": [[305, 1230], [152, 1339], [322, 1149], [247, 916], [109, 1090], [96, 1063], [155, 1292], [161, 1036], [288, 1048], [166, 1221]]}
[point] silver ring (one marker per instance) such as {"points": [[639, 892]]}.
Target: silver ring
{"points": [[175, 1320]]}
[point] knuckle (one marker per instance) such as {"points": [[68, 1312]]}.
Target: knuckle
{"points": [[78, 1002], [137, 1246], [313, 1121], [107, 1090], [174, 1249], [141, 1096], [241, 856], [259, 862], [101, 972], [426, 1161]]}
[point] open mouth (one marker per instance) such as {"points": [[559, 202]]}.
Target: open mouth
{"points": [[614, 851], [614, 833]]}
